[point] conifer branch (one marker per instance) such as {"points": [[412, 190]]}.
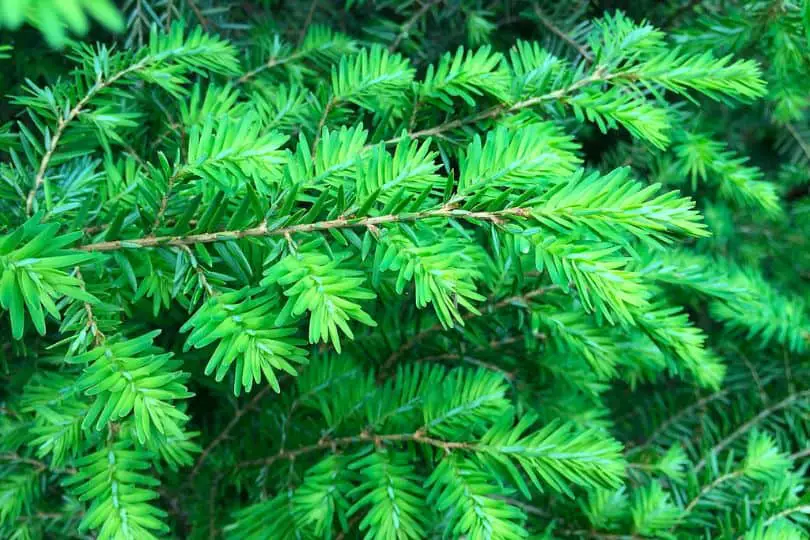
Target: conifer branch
{"points": [[418, 14], [377, 440], [223, 435], [672, 420], [741, 430], [600, 74], [475, 419], [264, 231], [271, 63], [520, 300], [804, 145], [709, 487], [63, 121], [802, 509], [545, 21], [92, 323]]}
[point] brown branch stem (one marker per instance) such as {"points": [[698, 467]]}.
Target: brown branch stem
{"points": [[418, 14], [599, 75], [416, 338], [720, 446], [63, 123], [270, 63], [224, 433], [339, 223], [709, 487], [418, 437], [92, 322], [549, 24]]}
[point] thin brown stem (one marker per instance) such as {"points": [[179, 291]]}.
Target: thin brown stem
{"points": [[43, 516], [169, 11], [11, 456], [674, 418], [592, 533], [526, 507], [270, 63], [549, 24], [599, 75], [172, 129], [224, 433], [710, 487], [9, 412], [197, 13], [378, 440], [415, 339], [164, 201], [800, 454], [64, 121], [132, 152], [339, 223], [803, 508], [212, 495], [201, 277], [92, 322], [469, 360], [685, 8], [352, 522], [40, 465], [321, 123], [98, 228], [418, 14], [763, 395], [720, 446], [307, 22], [788, 376], [799, 140]]}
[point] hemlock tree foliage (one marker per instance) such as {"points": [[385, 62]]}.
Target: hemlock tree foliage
{"points": [[404, 269]]}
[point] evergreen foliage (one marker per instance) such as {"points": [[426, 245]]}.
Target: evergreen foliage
{"points": [[404, 269]]}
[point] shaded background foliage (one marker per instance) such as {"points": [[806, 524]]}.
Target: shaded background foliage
{"points": [[569, 354]]}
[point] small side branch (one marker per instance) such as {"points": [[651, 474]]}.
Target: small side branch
{"points": [[418, 14], [545, 21]]}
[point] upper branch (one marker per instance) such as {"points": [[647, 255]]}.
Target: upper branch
{"points": [[65, 121], [599, 75]]}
